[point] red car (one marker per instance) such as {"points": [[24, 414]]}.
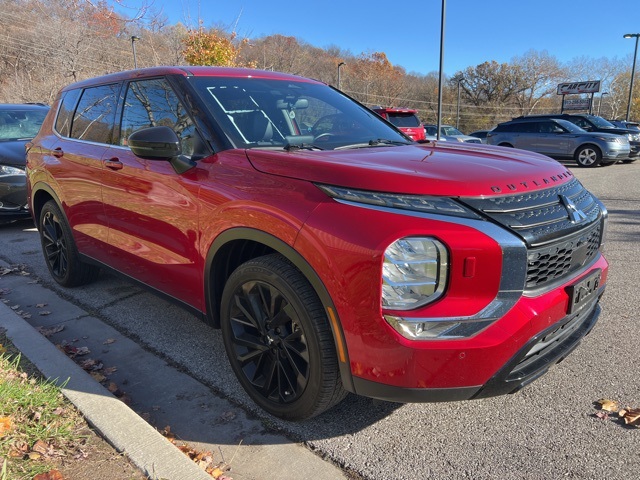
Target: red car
{"points": [[405, 119], [336, 255]]}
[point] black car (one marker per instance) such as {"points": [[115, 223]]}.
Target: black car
{"points": [[594, 123], [19, 123]]}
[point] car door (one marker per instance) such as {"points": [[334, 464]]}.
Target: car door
{"points": [[151, 210], [85, 128], [550, 139]]}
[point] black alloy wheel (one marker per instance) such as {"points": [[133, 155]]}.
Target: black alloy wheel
{"points": [[59, 248], [278, 340]]}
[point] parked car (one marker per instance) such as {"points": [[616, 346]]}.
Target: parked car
{"points": [[450, 133], [594, 123], [343, 259], [405, 119], [19, 123], [481, 134], [625, 124], [560, 138]]}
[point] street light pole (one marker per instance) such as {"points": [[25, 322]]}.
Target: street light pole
{"points": [[633, 70], [133, 47], [600, 104], [443, 15], [341, 64]]}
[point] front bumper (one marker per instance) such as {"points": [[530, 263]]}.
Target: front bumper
{"points": [[13, 198], [533, 360]]}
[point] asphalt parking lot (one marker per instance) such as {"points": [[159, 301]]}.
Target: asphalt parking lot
{"points": [[548, 430]]}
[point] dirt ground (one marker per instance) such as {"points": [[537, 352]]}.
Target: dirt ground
{"points": [[97, 459]]}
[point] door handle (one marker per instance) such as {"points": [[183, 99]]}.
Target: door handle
{"points": [[58, 153], [113, 164]]}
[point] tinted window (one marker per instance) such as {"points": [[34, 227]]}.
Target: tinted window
{"points": [[95, 114], [400, 119], [153, 103], [65, 113]]}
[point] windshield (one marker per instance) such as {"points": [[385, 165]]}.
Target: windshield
{"points": [[447, 130], [601, 122], [20, 124], [268, 113], [572, 127]]}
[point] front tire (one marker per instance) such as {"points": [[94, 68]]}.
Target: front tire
{"points": [[60, 251], [278, 339], [588, 156]]}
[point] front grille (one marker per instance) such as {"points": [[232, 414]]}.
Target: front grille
{"points": [[558, 243]]}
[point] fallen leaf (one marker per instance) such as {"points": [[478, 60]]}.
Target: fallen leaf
{"points": [[15, 307], [47, 332], [98, 377], [34, 456], [109, 370], [50, 475], [40, 447], [41, 305], [608, 405], [108, 341], [3, 349], [5, 426], [631, 416], [44, 312]]}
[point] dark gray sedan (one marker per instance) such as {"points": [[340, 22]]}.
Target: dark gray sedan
{"points": [[19, 123]]}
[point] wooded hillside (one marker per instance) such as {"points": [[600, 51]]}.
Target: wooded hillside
{"points": [[46, 44]]}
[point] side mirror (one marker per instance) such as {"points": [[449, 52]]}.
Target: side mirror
{"points": [[160, 143]]}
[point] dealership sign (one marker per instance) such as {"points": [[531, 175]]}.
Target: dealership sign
{"points": [[571, 88], [577, 104]]}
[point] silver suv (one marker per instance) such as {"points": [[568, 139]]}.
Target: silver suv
{"points": [[561, 139]]}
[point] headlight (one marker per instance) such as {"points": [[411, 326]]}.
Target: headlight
{"points": [[6, 170], [618, 139], [416, 203], [414, 273]]}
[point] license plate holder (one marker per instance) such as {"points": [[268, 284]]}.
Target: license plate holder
{"points": [[583, 291]]}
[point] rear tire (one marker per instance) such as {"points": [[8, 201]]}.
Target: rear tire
{"points": [[588, 156], [278, 340], [60, 251]]}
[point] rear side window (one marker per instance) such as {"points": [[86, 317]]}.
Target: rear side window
{"points": [[93, 120], [65, 113]]}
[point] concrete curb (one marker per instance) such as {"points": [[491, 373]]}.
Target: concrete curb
{"points": [[115, 421]]}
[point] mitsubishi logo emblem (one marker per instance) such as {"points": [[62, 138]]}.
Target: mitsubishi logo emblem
{"points": [[575, 215]]}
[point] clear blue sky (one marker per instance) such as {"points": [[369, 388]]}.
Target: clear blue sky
{"points": [[409, 32]]}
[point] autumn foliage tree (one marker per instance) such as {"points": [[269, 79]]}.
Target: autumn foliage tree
{"points": [[212, 48]]}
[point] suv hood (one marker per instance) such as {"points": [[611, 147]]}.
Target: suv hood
{"points": [[442, 169]]}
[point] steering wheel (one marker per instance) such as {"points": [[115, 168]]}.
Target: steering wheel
{"points": [[333, 119]]}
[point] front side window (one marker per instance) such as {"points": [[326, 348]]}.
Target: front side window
{"points": [[153, 103], [93, 119]]}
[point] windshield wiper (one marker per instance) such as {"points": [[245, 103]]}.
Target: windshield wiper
{"points": [[384, 141], [301, 146]]}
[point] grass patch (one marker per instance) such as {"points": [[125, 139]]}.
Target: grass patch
{"points": [[38, 426]]}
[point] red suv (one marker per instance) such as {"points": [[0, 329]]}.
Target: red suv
{"points": [[336, 255], [405, 119]]}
